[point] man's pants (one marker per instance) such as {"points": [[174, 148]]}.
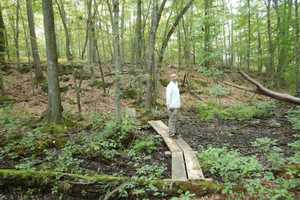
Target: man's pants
{"points": [[172, 121]]}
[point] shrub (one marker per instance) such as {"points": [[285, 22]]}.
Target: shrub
{"points": [[146, 145], [272, 152], [210, 72], [241, 112], [229, 164], [294, 118], [218, 91]]}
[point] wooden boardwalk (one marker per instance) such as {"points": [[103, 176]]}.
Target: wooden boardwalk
{"points": [[185, 164]]}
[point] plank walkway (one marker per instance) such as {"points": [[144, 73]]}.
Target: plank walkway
{"points": [[185, 164]]}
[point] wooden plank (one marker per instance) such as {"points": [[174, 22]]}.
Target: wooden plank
{"points": [[183, 145], [162, 129], [178, 166], [193, 167]]}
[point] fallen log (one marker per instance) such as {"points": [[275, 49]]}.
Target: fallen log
{"points": [[91, 187], [260, 89]]}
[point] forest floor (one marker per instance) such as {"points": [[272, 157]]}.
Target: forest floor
{"points": [[130, 157]]}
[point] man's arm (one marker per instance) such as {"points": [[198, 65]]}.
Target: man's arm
{"points": [[168, 96]]}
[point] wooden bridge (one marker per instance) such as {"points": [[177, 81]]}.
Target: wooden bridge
{"points": [[185, 165]]}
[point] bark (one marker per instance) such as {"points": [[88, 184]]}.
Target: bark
{"points": [[2, 38], [249, 35], [63, 17], [74, 184], [26, 39], [17, 29], [33, 40], [207, 37], [151, 57], [54, 99], [270, 67], [297, 49], [117, 61], [171, 31], [260, 89], [259, 46]]}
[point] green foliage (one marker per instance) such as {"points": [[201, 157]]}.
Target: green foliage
{"points": [[97, 120], [210, 71], [244, 171], [295, 146], [144, 145], [185, 196], [66, 162], [272, 152], [241, 112], [151, 171], [294, 118], [122, 134], [218, 91], [229, 165]]}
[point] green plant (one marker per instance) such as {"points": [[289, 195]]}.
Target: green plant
{"points": [[151, 171], [295, 146], [241, 112], [218, 91], [185, 196], [210, 71], [97, 120], [229, 165], [146, 145], [272, 152], [294, 118], [66, 162]]}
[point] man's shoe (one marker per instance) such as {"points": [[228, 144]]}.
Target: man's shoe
{"points": [[172, 134]]}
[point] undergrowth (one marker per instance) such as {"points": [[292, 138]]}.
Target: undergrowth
{"points": [[241, 112], [257, 180]]}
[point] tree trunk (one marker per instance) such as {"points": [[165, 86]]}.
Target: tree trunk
{"points": [[260, 89], [17, 29], [2, 49], [2, 38], [171, 31], [151, 57], [207, 37], [117, 61], [63, 17], [26, 39], [54, 99], [249, 35], [297, 49], [259, 46], [33, 40], [270, 67]]}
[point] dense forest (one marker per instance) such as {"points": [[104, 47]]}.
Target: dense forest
{"points": [[83, 99]]}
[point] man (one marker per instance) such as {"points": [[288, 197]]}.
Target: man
{"points": [[173, 103]]}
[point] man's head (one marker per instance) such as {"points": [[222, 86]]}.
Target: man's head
{"points": [[173, 77]]}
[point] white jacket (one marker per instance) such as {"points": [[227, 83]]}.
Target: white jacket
{"points": [[173, 95]]}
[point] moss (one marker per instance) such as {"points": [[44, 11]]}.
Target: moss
{"points": [[5, 100]]}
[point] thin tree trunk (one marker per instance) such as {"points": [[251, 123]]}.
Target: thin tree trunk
{"points": [[207, 39], [259, 46], [171, 31], [54, 99], [297, 49], [151, 57], [33, 40], [117, 61], [270, 67], [26, 39], [63, 17], [2, 38], [17, 29], [249, 35]]}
